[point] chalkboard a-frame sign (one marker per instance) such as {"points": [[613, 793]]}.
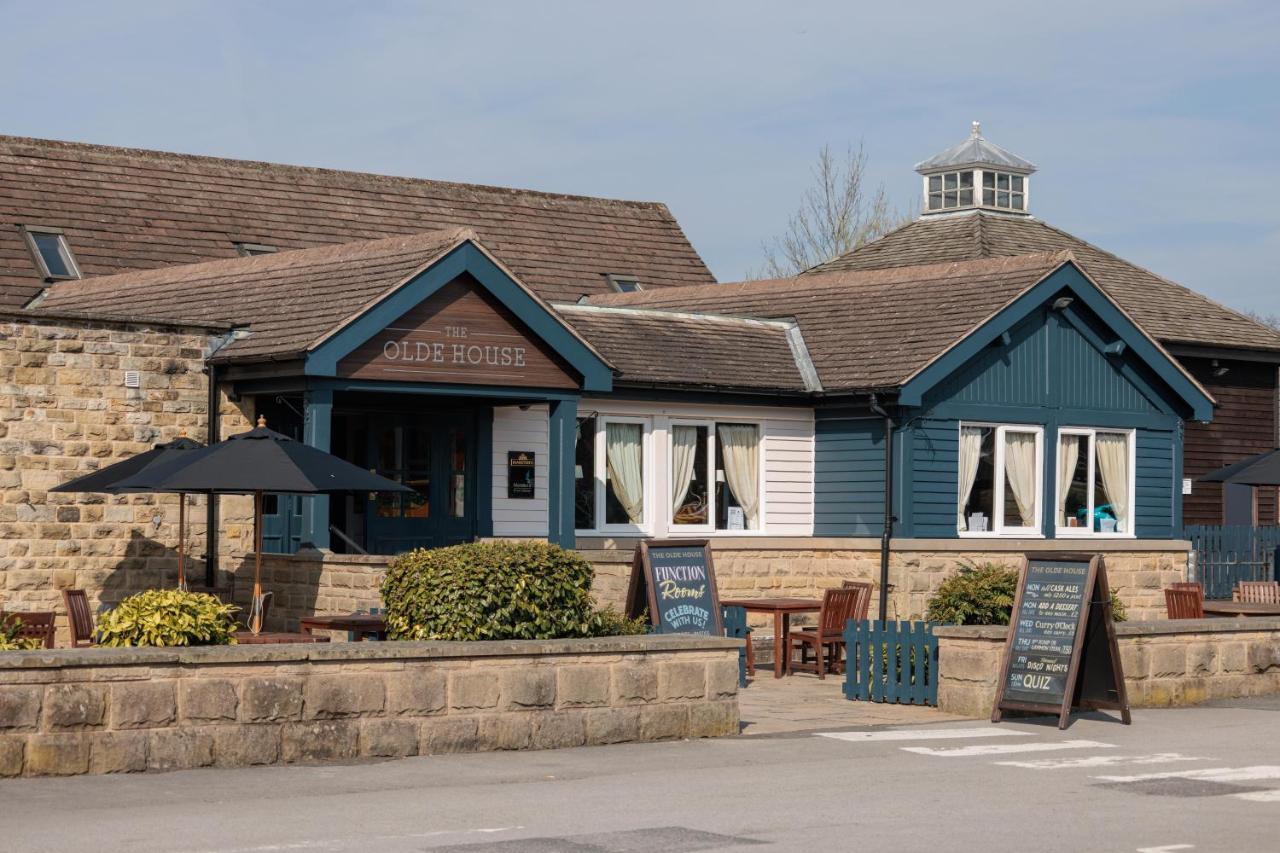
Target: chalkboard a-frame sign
{"points": [[675, 580], [1061, 651]]}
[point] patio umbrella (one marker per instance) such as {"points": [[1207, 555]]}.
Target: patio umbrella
{"points": [[107, 481], [1260, 470], [259, 462]]}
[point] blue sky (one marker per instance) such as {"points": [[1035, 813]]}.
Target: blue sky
{"points": [[1156, 125]]}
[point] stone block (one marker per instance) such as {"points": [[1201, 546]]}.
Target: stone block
{"points": [[118, 752], [524, 687], [179, 749], [448, 735], [207, 700], [12, 748], [327, 697], [19, 707], [1168, 660], [634, 682], [271, 699], [388, 738], [559, 729], [74, 706], [713, 719], [473, 690], [613, 725], [1233, 657], [143, 704], [970, 664], [416, 692], [58, 754], [1202, 658], [582, 686], [682, 680], [1262, 656], [505, 731], [242, 746], [722, 678], [667, 721], [320, 740]]}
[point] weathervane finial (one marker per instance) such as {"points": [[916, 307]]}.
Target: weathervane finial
{"points": [[262, 420], [977, 128]]}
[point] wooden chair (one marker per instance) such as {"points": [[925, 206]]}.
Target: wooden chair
{"points": [[1184, 603], [827, 638], [32, 624], [79, 618], [1258, 592]]}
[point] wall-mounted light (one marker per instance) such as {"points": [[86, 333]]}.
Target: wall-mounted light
{"points": [[1116, 348], [1062, 302], [1219, 370]]}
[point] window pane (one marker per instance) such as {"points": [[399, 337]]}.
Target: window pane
{"points": [[690, 491], [418, 504], [458, 475], [935, 201], [1111, 482], [989, 197], [1016, 183], [989, 179], [584, 476], [966, 197], [1073, 481], [1020, 493], [624, 463], [966, 179], [737, 477], [1002, 181], [51, 252], [950, 200], [1015, 201], [935, 183], [951, 179], [1002, 199], [977, 478]]}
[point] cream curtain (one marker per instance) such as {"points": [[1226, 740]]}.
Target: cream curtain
{"points": [[740, 445], [1068, 458], [1020, 473], [970, 456], [1112, 453], [624, 458], [684, 451]]}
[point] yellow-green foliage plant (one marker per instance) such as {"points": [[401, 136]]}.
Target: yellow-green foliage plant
{"points": [[168, 617], [11, 642]]}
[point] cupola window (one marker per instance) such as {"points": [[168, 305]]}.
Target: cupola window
{"points": [[976, 175], [951, 190], [1004, 190]]}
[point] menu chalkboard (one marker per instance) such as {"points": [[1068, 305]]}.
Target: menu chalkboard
{"points": [[1061, 651], [676, 582], [520, 474]]}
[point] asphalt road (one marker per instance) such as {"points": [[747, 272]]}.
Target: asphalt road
{"points": [[1203, 779]]}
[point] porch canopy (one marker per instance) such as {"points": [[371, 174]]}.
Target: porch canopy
{"points": [[1260, 470]]}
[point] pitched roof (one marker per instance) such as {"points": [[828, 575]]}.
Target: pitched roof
{"points": [[127, 209], [976, 151], [288, 300], [868, 330], [1170, 312], [675, 349]]}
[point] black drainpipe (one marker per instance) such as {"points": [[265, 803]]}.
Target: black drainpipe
{"points": [[887, 534], [211, 506]]}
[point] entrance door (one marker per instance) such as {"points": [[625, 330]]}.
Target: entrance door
{"points": [[433, 454]]}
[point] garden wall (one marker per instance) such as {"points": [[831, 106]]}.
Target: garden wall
{"points": [[80, 711], [1167, 663]]}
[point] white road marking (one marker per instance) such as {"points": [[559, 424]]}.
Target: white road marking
{"points": [[1005, 748], [1168, 848], [1099, 761], [926, 734], [324, 843], [1269, 796], [1255, 773]]}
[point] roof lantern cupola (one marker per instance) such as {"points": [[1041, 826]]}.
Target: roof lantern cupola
{"points": [[976, 175]]}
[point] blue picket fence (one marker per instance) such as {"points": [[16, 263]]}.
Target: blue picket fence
{"points": [[895, 662], [735, 625], [1225, 554]]}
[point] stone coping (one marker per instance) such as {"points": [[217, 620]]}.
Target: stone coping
{"points": [[597, 546], [359, 652], [1162, 627]]}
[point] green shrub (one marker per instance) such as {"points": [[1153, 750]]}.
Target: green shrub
{"points": [[984, 596], [612, 623], [493, 591], [11, 642], [168, 617]]}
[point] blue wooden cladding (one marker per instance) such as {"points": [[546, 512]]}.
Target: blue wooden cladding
{"points": [[1226, 554], [893, 662], [735, 625]]}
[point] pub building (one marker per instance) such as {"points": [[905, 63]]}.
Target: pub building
{"points": [[973, 386]]}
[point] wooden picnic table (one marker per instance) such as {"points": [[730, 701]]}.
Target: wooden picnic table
{"points": [[359, 624], [246, 638], [781, 608], [1240, 608]]}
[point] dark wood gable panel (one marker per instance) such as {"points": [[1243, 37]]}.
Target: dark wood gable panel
{"points": [[458, 335]]}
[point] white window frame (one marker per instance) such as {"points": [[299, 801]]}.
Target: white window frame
{"points": [[1091, 433], [959, 188], [710, 526], [648, 460], [29, 233], [999, 529], [994, 204]]}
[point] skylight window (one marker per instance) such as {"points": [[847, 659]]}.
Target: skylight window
{"points": [[624, 283], [248, 250], [51, 253]]}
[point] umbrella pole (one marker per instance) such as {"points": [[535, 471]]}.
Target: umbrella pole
{"points": [[255, 613], [182, 541]]}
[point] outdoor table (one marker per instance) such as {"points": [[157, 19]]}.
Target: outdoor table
{"points": [[245, 638], [358, 624], [781, 608], [1240, 608]]}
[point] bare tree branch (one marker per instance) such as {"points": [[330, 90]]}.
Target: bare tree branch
{"points": [[1272, 320]]}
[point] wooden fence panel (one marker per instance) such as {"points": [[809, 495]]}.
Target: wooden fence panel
{"points": [[1225, 554], [893, 662]]}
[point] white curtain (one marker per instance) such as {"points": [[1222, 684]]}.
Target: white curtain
{"points": [[684, 451], [1020, 473], [624, 458], [1112, 452], [740, 445], [970, 456], [1068, 458]]}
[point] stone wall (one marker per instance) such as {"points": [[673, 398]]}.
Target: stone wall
{"points": [[310, 583], [65, 411], [1167, 663], [125, 710]]}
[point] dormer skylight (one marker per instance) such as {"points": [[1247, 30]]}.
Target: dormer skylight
{"points": [[248, 250], [623, 283], [976, 174], [51, 253]]}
